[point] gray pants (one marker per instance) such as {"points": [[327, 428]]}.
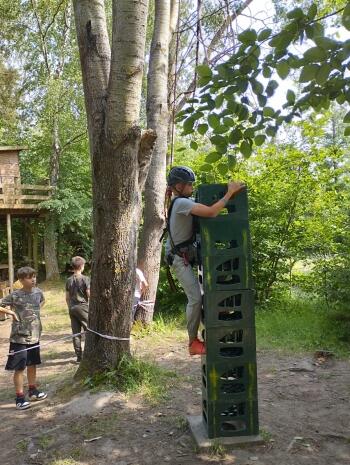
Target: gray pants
{"points": [[190, 284], [79, 320]]}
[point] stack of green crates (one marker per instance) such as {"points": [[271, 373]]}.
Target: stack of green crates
{"points": [[229, 381]]}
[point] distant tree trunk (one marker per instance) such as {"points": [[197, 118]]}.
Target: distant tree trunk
{"points": [[120, 160], [157, 119], [50, 234]]}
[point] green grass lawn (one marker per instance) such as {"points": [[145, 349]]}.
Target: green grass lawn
{"points": [[301, 324]]}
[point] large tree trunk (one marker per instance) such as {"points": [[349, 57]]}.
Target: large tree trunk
{"points": [[157, 119], [120, 157]]}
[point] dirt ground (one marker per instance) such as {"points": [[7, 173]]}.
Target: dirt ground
{"points": [[304, 413]]}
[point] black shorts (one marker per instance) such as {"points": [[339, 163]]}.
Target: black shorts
{"points": [[22, 359]]}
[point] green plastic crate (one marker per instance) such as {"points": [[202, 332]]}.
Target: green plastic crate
{"points": [[228, 308], [229, 380], [236, 345], [231, 418], [225, 273], [208, 194], [223, 235]]}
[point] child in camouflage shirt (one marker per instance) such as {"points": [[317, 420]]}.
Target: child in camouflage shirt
{"points": [[25, 334]]}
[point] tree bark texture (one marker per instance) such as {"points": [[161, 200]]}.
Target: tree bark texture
{"points": [[157, 118], [50, 249], [120, 157]]}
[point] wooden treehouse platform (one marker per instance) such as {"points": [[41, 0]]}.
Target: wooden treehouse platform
{"points": [[23, 199], [18, 200]]}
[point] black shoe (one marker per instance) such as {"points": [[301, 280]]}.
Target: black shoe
{"points": [[22, 403], [36, 395]]}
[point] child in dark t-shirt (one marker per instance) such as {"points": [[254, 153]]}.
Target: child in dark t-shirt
{"points": [[77, 298], [25, 334]]}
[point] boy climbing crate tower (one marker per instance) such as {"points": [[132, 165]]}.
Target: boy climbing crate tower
{"points": [[229, 380]]}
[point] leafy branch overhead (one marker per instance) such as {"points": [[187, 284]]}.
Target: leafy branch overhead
{"points": [[232, 103]]}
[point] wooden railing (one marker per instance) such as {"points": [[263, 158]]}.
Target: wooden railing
{"points": [[23, 196]]}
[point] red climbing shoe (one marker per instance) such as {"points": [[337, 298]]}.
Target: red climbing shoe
{"points": [[197, 347]]}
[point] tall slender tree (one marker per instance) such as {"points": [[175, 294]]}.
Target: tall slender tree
{"points": [[120, 155]]}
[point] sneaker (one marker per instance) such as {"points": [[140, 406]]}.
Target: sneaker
{"points": [[36, 395], [197, 347], [22, 403]]}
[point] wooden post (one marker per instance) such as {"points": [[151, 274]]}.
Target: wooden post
{"points": [[9, 247], [35, 247]]}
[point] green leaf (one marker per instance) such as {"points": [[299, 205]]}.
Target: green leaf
{"points": [[262, 100], [243, 113], [219, 100], [341, 99], [206, 167], [257, 87], [259, 139], [213, 157], [282, 69], [193, 145], [213, 120], [218, 140], [204, 71], [347, 118], [308, 73], [264, 34], [181, 149], [271, 87], [312, 11], [188, 125], [326, 43], [245, 149], [249, 133], [346, 17], [203, 81], [248, 36], [231, 161], [202, 129], [323, 73], [347, 131], [222, 168], [220, 129], [235, 136], [315, 55], [290, 97], [266, 72], [297, 13], [282, 40], [268, 112], [228, 122], [271, 131]]}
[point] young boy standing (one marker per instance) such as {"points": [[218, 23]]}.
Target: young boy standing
{"points": [[25, 334], [77, 298]]}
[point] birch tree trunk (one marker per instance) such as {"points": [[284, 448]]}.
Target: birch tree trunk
{"points": [[120, 160], [157, 119]]}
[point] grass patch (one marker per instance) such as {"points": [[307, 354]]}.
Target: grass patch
{"points": [[134, 375], [300, 324], [162, 325]]}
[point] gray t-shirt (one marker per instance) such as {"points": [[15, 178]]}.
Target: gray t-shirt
{"points": [[181, 222], [77, 287], [26, 305]]}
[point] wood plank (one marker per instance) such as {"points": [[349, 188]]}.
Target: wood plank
{"points": [[19, 206], [36, 187], [32, 197]]}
